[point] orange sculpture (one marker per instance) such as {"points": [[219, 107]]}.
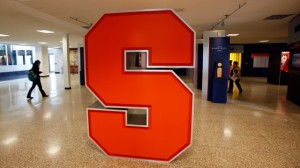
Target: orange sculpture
{"points": [[169, 43]]}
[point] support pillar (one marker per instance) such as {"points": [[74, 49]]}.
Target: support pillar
{"points": [[45, 61], [66, 56], [206, 36], [41, 52]]}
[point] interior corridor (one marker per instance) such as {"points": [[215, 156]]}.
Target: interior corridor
{"points": [[258, 128]]}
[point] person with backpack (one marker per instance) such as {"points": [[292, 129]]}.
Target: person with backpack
{"points": [[37, 80]]}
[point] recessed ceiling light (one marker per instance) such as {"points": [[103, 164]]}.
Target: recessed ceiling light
{"points": [[42, 42], [3, 35], [232, 35], [264, 41], [45, 31], [277, 17]]}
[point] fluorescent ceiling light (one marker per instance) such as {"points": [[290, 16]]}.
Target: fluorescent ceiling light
{"points": [[43, 42], [264, 41], [45, 31], [3, 35], [232, 35]]}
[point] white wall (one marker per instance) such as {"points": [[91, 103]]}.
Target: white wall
{"points": [[14, 68]]}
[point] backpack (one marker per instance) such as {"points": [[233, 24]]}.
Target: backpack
{"points": [[31, 75]]}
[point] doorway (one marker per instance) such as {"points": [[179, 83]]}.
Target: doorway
{"points": [[52, 62], [236, 57]]}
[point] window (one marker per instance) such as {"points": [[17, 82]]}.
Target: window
{"points": [[260, 60], [22, 54], [16, 55], [3, 55]]}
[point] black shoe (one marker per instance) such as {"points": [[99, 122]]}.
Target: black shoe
{"points": [[29, 97], [229, 91], [46, 96], [240, 91]]}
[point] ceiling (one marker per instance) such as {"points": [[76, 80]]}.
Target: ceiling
{"points": [[21, 18]]}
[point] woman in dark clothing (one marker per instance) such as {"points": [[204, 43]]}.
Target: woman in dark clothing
{"points": [[37, 81]]}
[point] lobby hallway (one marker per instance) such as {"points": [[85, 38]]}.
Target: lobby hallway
{"points": [[258, 128]]}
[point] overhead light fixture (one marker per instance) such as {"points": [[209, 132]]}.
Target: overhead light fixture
{"points": [[221, 22], [232, 35], [45, 31], [87, 25], [43, 43], [3, 35], [264, 41]]}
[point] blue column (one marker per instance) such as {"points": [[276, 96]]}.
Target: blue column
{"points": [[218, 52], [81, 67]]}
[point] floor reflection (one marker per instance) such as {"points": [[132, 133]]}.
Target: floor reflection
{"points": [[258, 128]]}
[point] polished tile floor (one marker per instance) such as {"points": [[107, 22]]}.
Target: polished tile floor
{"points": [[258, 128]]}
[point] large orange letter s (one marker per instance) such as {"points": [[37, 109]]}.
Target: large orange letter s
{"points": [[169, 42]]}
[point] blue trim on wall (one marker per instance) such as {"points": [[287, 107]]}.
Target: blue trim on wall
{"points": [[13, 75]]}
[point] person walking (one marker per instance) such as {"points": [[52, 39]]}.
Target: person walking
{"points": [[234, 76], [230, 70], [37, 81], [230, 67]]}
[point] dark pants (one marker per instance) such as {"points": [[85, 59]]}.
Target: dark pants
{"points": [[37, 81], [237, 82]]}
